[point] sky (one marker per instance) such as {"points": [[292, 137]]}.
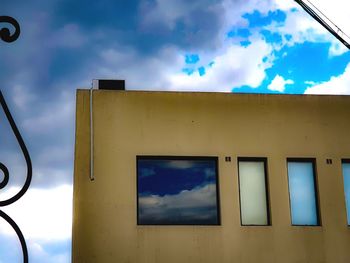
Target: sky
{"points": [[254, 46]]}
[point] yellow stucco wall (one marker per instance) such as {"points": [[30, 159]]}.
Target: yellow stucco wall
{"points": [[133, 123]]}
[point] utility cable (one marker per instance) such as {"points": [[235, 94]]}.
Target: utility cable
{"points": [[319, 19]]}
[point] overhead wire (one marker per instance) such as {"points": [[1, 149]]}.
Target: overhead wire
{"points": [[325, 16], [318, 17]]}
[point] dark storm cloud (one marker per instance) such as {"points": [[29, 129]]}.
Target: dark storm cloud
{"points": [[65, 44], [187, 24]]}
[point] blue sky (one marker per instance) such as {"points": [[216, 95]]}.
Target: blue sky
{"points": [[201, 45]]}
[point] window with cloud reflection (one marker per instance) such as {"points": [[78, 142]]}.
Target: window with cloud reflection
{"points": [[177, 190]]}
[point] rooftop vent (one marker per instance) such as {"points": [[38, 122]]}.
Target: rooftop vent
{"points": [[108, 84]]}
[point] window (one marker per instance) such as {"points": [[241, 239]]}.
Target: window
{"points": [[253, 191], [346, 175], [177, 190], [303, 192]]}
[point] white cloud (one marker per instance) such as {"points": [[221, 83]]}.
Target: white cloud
{"points": [[158, 12], [284, 5], [310, 82], [336, 85], [298, 23], [233, 66], [279, 83], [337, 48], [184, 203], [168, 12], [22, 96], [302, 27], [41, 252], [204, 196], [69, 36], [53, 116], [49, 137], [38, 251], [180, 164], [42, 214], [45, 219]]}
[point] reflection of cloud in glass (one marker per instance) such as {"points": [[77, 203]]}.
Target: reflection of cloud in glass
{"points": [[209, 174], [145, 172], [177, 191], [180, 164], [169, 177], [195, 206]]}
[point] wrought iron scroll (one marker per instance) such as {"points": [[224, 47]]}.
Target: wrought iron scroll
{"points": [[6, 178], [5, 33], [7, 36]]}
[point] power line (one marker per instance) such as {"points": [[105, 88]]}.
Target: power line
{"points": [[320, 17], [341, 31]]}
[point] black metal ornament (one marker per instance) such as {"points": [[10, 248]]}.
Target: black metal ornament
{"points": [[5, 33], [7, 36], [6, 176]]}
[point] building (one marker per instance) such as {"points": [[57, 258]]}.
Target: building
{"points": [[211, 177]]}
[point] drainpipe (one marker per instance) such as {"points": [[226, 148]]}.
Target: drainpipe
{"points": [[92, 176], [102, 84]]}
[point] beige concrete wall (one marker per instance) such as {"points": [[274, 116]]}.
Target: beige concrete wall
{"points": [[199, 124]]}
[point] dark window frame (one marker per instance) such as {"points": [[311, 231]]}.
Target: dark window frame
{"points": [[176, 158], [268, 208], [311, 160]]}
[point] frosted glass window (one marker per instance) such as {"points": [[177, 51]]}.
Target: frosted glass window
{"points": [[346, 174], [302, 193], [253, 195]]}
